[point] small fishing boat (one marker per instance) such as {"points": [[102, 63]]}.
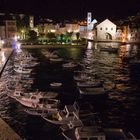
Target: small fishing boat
{"points": [[56, 60], [55, 84], [92, 91], [22, 70], [90, 83], [69, 113], [98, 133], [69, 65]]}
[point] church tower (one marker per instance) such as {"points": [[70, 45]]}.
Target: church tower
{"points": [[31, 22], [89, 18]]}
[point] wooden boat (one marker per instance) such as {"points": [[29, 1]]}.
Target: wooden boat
{"points": [[15, 94], [56, 60], [35, 112], [69, 113], [69, 65], [26, 64], [90, 83], [50, 54], [81, 77], [37, 101], [50, 95], [95, 91], [55, 84], [21, 70], [98, 133], [109, 49]]}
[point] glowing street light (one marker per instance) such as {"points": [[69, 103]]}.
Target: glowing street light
{"points": [[2, 42], [3, 57], [22, 34]]}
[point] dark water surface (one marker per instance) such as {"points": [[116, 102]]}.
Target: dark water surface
{"points": [[120, 109]]}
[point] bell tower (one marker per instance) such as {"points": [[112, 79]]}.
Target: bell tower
{"points": [[31, 22], [89, 18]]}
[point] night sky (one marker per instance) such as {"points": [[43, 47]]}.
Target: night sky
{"points": [[68, 9]]}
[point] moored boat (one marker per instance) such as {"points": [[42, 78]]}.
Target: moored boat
{"points": [[93, 91], [21, 70], [98, 133], [90, 84], [69, 113], [55, 84], [69, 65]]}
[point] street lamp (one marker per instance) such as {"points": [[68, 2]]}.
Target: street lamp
{"points": [[23, 34]]}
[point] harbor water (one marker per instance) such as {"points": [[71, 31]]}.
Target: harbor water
{"points": [[119, 68]]}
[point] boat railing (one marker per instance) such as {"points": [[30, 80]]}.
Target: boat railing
{"points": [[131, 136]]}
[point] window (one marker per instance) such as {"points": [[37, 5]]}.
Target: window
{"points": [[101, 28], [111, 28], [106, 28]]}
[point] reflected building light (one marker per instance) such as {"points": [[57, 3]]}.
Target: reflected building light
{"points": [[129, 36], [14, 46], [3, 57], [128, 47], [90, 35], [18, 47], [123, 38], [89, 46], [95, 46], [16, 38], [135, 49]]}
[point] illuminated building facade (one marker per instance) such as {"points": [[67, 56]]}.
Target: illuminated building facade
{"points": [[106, 30], [2, 32], [72, 27], [10, 28]]}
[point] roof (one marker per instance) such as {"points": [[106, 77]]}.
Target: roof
{"points": [[105, 21]]}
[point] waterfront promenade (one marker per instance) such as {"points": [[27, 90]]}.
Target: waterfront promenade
{"points": [[4, 56], [50, 46], [6, 132]]}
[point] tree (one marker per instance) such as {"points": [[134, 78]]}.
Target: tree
{"points": [[32, 36], [51, 37], [77, 35], [22, 22], [68, 35]]}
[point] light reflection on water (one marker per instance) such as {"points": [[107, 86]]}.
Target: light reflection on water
{"points": [[121, 107]]}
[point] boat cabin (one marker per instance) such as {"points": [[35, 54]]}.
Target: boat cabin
{"points": [[89, 133], [98, 133], [69, 111]]}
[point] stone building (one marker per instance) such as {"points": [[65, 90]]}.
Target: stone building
{"points": [[106, 30]]}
